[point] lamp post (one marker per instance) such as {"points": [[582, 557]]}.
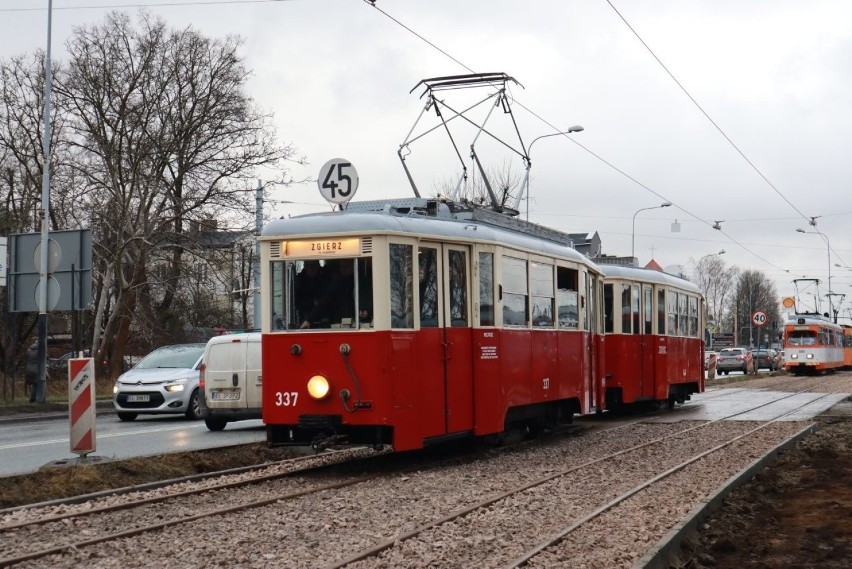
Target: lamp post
{"points": [[828, 250], [525, 185], [722, 252], [633, 238]]}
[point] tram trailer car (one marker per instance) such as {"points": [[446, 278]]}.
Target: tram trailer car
{"points": [[454, 323], [653, 335], [812, 344]]}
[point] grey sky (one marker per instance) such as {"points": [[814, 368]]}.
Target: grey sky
{"points": [[775, 76]]}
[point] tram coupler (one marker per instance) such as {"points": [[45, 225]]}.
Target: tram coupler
{"points": [[323, 442]]}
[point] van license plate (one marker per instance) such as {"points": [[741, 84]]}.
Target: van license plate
{"points": [[138, 398], [227, 395]]}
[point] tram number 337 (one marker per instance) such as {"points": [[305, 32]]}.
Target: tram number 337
{"points": [[286, 398]]}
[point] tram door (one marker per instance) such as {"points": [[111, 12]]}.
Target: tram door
{"points": [[445, 315]]}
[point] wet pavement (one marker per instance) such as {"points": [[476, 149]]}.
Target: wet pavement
{"points": [[759, 404]]}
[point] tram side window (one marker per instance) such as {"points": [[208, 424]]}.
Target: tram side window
{"points": [[427, 260], [593, 304], [458, 288], [608, 309], [693, 317], [648, 315], [661, 312], [486, 289], [682, 315], [514, 292], [625, 310], [568, 308], [277, 294], [541, 284], [401, 285], [672, 314], [634, 309]]}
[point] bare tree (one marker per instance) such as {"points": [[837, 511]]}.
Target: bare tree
{"points": [[21, 168], [718, 283], [754, 291], [503, 181], [163, 135]]}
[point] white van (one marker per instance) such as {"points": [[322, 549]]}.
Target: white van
{"points": [[231, 380]]}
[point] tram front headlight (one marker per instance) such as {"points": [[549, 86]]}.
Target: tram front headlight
{"points": [[794, 356], [810, 356], [318, 387]]}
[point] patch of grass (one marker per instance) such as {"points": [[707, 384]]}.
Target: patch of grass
{"points": [[52, 483]]}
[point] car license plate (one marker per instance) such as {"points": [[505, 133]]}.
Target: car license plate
{"points": [[138, 398], [225, 395]]}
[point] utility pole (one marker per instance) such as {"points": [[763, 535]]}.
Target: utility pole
{"points": [[44, 214], [258, 227]]}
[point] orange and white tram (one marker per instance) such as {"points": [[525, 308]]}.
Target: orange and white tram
{"points": [[847, 345], [427, 321], [653, 327], [812, 344]]}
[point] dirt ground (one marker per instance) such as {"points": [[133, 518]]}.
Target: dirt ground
{"points": [[796, 513]]}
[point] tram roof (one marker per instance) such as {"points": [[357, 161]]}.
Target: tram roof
{"points": [[810, 319], [648, 275], [445, 225]]}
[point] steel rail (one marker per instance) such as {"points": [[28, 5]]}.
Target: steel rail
{"points": [[558, 537], [387, 544], [177, 521], [190, 492]]}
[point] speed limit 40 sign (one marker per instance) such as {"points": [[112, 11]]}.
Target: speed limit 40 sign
{"points": [[758, 318]]}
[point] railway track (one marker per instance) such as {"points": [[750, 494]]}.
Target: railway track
{"points": [[543, 547], [414, 515]]}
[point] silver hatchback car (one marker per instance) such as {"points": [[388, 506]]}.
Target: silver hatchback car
{"points": [[164, 381]]}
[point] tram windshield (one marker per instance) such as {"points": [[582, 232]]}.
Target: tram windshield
{"points": [[802, 338], [322, 294]]}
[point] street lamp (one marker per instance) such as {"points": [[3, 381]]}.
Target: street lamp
{"points": [[633, 239], [525, 185], [722, 252], [828, 249]]}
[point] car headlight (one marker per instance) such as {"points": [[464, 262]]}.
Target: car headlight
{"points": [[176, 385], [115, 389], [318, 387]]}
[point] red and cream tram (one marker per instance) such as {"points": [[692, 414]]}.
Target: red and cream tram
{"points": [[812, 344], [653, 327], [424, 321]]}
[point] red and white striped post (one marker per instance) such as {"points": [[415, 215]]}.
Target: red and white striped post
{"points": [[81, 405]]}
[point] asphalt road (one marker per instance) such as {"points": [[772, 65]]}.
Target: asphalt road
{"points": [[27, 444]]}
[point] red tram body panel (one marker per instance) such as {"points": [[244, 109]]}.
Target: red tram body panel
{"points": [[453, 326], [655, 351]]}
